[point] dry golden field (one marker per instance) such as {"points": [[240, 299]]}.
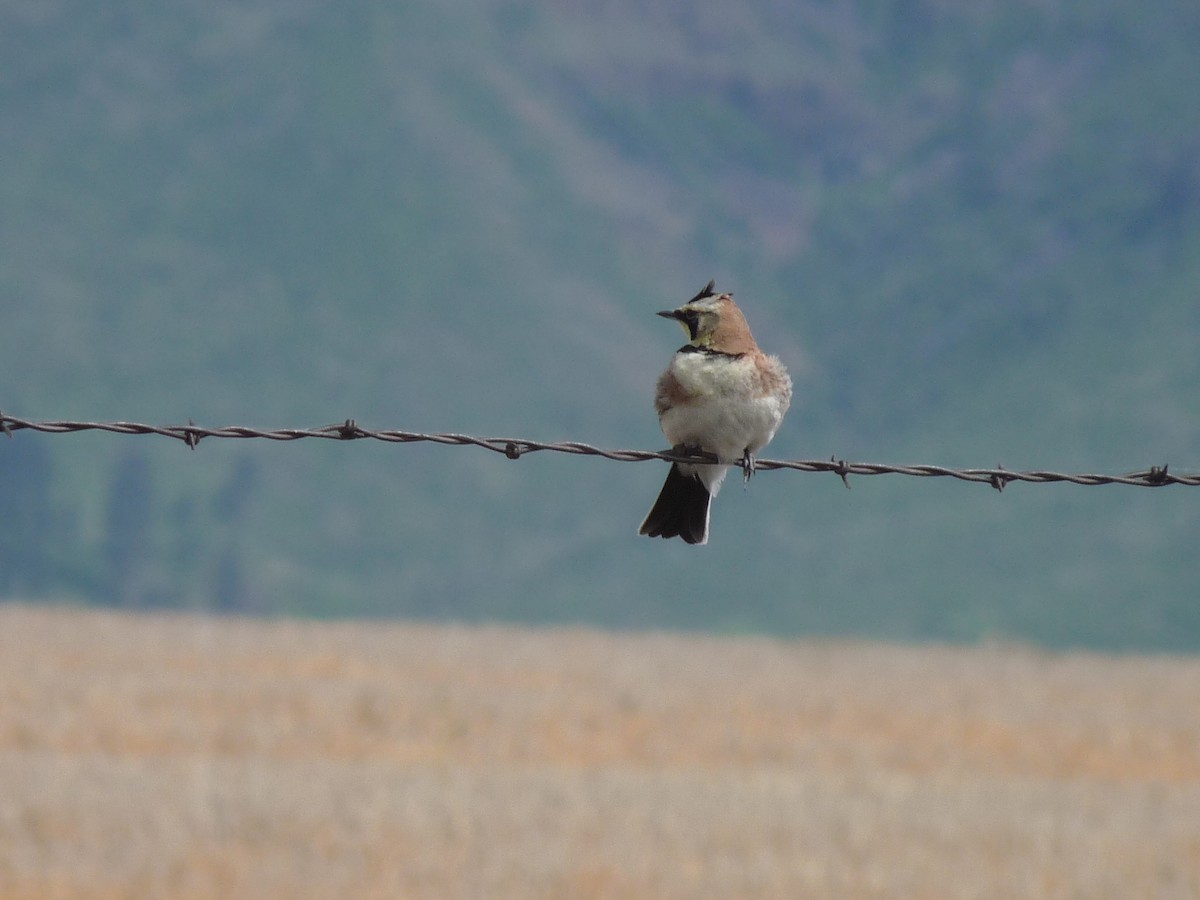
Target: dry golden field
{"points": [[180, 756]]}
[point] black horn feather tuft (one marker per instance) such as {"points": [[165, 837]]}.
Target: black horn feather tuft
{"points": [[708, 291]]}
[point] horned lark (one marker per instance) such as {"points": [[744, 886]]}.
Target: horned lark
{"points": [[722, 395]]}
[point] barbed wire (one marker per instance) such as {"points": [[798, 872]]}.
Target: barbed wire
{"points": [[514, 448]]}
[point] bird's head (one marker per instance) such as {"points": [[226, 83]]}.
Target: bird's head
{"points": [[713, 321]]}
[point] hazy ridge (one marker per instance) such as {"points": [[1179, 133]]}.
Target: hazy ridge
{"points": [[972, 234]]}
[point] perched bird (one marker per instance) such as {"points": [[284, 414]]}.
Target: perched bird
{"points": [[720, 395]]}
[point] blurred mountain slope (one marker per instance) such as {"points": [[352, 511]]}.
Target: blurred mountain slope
{"points": [[971, 233]]}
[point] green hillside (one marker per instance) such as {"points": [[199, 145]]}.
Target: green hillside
{"points": [[973, 235]]}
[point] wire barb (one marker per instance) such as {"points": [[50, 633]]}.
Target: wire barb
{"points": [[1000, 479], [514, 448], [841, 468], [190, 436], [1156, 475], [348, 430]]}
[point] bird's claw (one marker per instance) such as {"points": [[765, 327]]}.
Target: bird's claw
{"points": [[747, 467], [695, 450]]}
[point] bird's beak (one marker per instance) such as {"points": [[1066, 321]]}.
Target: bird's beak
{"points": [[669, 314]]}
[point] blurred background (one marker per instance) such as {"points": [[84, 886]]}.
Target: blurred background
{"points": [[972, 232]]}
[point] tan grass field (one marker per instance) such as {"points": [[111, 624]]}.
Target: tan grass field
{"points": [[180, 756]]}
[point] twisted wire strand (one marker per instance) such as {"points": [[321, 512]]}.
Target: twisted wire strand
{"points": [[191, 434]]}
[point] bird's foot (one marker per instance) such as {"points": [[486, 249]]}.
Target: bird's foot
{"points": [[693, 450], [747, 467]]}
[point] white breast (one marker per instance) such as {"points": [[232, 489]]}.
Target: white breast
{"points": [[727, 413]]}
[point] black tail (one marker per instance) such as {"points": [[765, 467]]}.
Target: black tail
{"points": [[680, 510]]}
